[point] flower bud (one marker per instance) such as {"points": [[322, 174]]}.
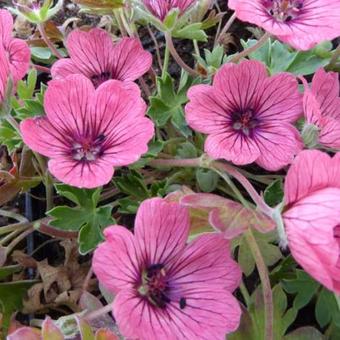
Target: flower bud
{"points": [[310, 135]]}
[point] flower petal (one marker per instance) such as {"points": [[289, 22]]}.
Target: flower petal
{"points": [[161, 229], [278, 99], [310, 225], [67, 104], [130, 60], [91, 51], [119, 115], [42, 137], [6, 26], [63, 68], [4, 73], [19, 58], [81, 174], [203, 112], [206, 260], [232, 146], [115, 261], [330, 133], [312, 170], [278, 144]]}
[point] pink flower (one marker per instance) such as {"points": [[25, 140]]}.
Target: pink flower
{"points": [[322, 107], [94, 55], [17, 50], [4, 74], [300, 23], [167, 289], [87, 132], [160, 8], [247, 115], [312, 216]]}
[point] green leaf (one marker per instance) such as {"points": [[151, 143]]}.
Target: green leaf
{"points": [[132, 184], [273, 194], [186, 150], [9, 270], [327, 309], [11, 296], [303, 286], [192, 32], [171, 19], [89, 237]]}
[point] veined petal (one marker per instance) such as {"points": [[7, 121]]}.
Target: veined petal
{"points": [[6, 26], [64, 67], [330, 132], [4, 73], [161, 229], [129, 60], [115, 261], [19, 58]]}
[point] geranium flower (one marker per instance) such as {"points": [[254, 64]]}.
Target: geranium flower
{"points": [[167, 289], [94, 55], [312, 216], [300, 23], [247, 115], [87, 132], [322, 107], [160, 8], [17, 50]]}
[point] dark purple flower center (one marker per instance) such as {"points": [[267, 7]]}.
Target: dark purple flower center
{"points": [[87, 149], [284, 10], [155, 285], [98, 79], [244, 121]]}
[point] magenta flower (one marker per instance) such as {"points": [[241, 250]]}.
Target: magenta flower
{"points": [[167, 289], [300, 23], [87, 132], [322, 107], [160, 8], [17, 50], [247, 115], [94, 55], [312, 216]]}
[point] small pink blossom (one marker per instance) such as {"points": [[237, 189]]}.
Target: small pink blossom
{"points": [[17, 50], [322, 107], [300, 23], [94, 55], [312, 216], [166, 288], [247, 115], [160, 8], [87, 132]]}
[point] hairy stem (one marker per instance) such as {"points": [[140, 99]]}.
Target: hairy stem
{"points": [[14, 227], [266, 287], [18, 239], [165, 61], [13, 215], [99, 312], [158, 54], [48, 42], [225, 28], [251, 49], [176, 56]]}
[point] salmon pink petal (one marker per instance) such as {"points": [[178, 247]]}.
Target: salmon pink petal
{"points": [[19, 58], [278, 98], [115, 262], [4, 73], [312, 170], [206, 260], [303, 24], [72, 109], [325, 88], [63, 68], [310, 226], [6, 26], [233, 147], [130, 60], [81, 174], [278, 144], [330, 133], [237, 85], [203, 113], [161, 229], [42, 137]]}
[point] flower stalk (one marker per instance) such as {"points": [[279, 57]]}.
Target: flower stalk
{"points": [[48, 42]]}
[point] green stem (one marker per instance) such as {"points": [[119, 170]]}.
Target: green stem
{"points": [[13, 227], [266, 287], [225, 28], [196, 47], [98, 313], [49, 192], [245, 294], [18, 239], [166, 61], [48, 42], [13, 215], [251, 49]]}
